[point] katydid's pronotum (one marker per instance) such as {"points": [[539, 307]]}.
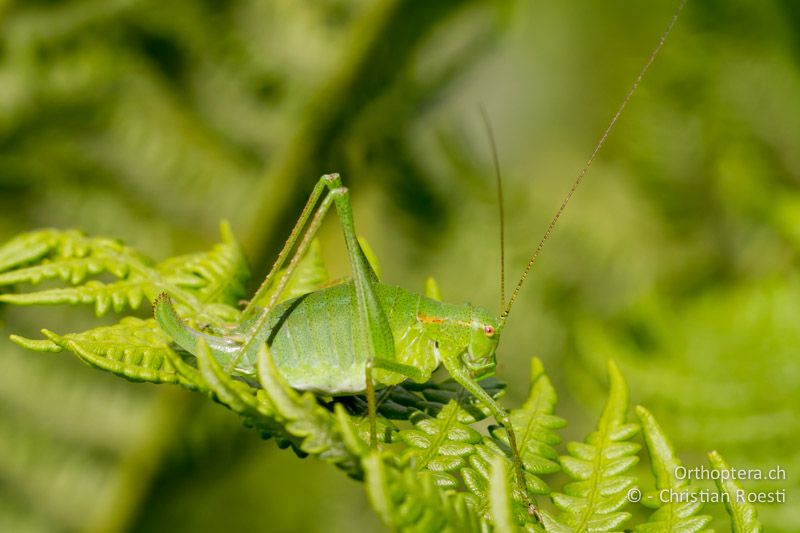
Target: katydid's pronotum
{"points": [[362, 334]]}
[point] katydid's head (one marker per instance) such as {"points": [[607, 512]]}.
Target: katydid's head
{"points": [[484, 336]]}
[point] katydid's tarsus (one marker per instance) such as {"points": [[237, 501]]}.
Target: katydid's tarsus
{"points": [[350, 337]]}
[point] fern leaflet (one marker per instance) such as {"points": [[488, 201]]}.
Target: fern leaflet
{"points": [[670, 516], [593, 501], [744, 517]]}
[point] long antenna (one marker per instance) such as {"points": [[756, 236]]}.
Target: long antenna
{"points": [[490, 134], [589, 162]]}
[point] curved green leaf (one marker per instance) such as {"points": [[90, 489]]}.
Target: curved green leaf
{"points": [[500, 498], [744, 517], [670, 516]]}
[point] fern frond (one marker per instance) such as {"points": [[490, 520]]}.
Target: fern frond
{"points": [[38, 245], [135, 349], [535, 425], [744, 517], [449, 448], [218, 275], [407, 500], [36, 345], [502, 505], [301, 415], [69, 256], [275, 409], [670, 516], [478, 474], [593, 501], [72, 271], [237, 396], [432, 397], [72, 257], [441, 445], [120, 295], [715, 387], [420, 402], [25, 248], [500, 498]]}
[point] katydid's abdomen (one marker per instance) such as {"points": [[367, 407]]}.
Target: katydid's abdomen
{"points": [[311, 337]]}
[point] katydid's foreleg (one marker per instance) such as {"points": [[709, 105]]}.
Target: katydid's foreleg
{"points": [[408, 371], [460, 374], [411, 372]]}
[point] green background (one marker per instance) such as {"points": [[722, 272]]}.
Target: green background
{"points": [[151, 121]]}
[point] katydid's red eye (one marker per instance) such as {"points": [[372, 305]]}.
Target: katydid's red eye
{"points": [[489, 330]]}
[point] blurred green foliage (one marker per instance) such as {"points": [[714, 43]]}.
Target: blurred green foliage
{"points": [[152, 122]]}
